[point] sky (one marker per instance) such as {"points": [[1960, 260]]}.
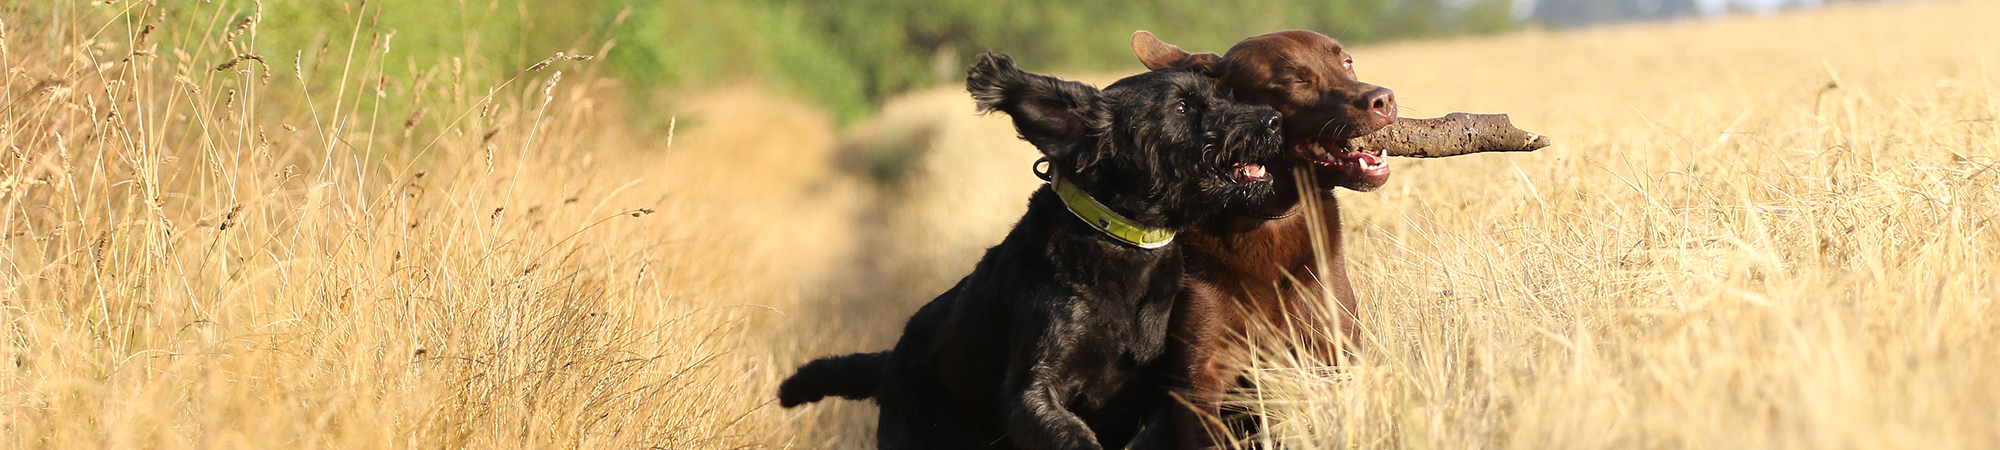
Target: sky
{"points": [[1708, 7]]}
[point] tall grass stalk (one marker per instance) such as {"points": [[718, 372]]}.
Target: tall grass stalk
{"points": [[209, 247]]}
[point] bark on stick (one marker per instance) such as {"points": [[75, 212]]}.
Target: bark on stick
{"points": [[1452, 135]]}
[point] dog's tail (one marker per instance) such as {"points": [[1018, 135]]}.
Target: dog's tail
{"points": [[853, 376]]}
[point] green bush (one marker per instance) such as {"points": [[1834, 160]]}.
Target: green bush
{"points": [[848, 55]]}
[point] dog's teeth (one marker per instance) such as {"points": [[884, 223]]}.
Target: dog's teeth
{"points": [[1318, 150]]}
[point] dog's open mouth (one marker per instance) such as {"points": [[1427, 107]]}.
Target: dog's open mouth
{"points": [[1249, 173], [1328, 153]]}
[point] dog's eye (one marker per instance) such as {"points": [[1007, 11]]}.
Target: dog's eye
{"points": [[1347, 64], [1181, 108]]}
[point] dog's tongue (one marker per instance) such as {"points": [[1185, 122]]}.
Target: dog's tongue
{"points": [[1255, 171], [1250, 171], [1369, 159], [1327, 152]]}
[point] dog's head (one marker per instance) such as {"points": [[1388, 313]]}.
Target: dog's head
{"points": [[1308, 77], [1164, 144]]}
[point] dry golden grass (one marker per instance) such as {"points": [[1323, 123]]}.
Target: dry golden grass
{"points": [[1756, 233], [311, 251]]}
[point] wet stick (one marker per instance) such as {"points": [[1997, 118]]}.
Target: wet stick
{"points": [[1452, 135]]}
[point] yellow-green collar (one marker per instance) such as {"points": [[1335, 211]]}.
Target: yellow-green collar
{"points": [[1103, 219]]}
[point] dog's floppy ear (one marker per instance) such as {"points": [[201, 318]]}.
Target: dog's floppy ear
{"points": [[1157, 54], [1060, 117]]}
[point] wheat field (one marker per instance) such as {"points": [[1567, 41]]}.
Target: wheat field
{"points": [[1754, 232]]}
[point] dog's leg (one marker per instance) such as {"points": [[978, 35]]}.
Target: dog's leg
{"points": [[917, 413], [1196, 425], [1041, 385], [1191, 370], [1039, 420]]}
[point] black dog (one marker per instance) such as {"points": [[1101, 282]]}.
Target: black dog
{"points": [[1055, 339]]}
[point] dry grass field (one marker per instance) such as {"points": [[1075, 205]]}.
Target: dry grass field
{"points": [[1754, 232]]}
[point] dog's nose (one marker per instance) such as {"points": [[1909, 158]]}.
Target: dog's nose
{"points": [[1272, 121], [1381, 107]]}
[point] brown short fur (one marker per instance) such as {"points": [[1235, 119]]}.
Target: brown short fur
{"points": [[1244, 264]]}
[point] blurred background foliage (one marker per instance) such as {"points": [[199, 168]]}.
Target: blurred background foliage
{"points": [[847, 55]]}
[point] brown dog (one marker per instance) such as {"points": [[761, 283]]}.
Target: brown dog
{"points": [[1242, 264], [1259, 261]]}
